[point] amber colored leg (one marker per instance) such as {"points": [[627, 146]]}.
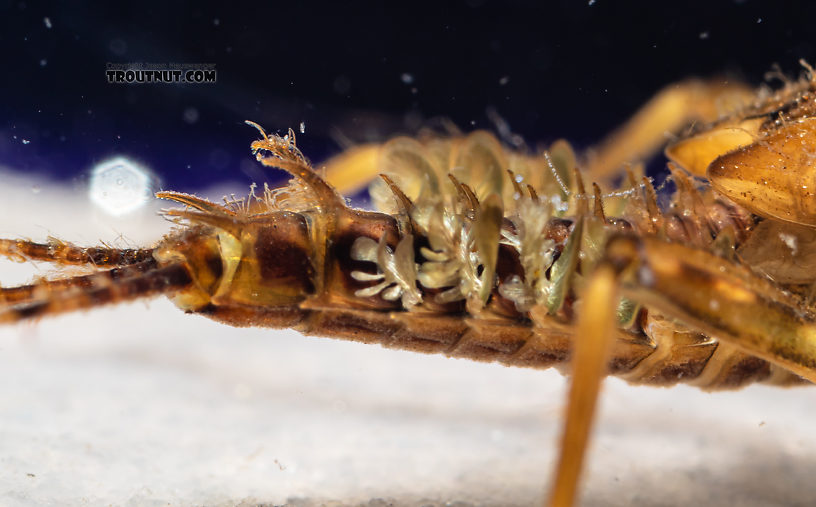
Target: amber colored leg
{"points": [[65, 295], [353, 169], [672, 109], [723, 300], [708, 293], [594, 335], [66, 253]]}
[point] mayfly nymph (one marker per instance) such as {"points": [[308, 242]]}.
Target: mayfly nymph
{"points": [[527, 259]]}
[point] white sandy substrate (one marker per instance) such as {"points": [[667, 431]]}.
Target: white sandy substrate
{"points": [[140, 404]]}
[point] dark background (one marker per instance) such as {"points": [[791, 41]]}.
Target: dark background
{"points": [[355, 71]]}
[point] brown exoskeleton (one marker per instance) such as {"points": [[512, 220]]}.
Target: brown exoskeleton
{"points": [[483, 253]]}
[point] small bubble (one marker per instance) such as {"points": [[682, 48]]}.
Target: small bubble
{"points": [[759, 20], [703, 35], [646, 276], [216, 22], [43, 62], [591, 2], [342, 84], [407, 78], [117, 47], [190, 115], [303, 127], [504, 80], [120, 186], [26, 141], [47, 22], [219, 158]]}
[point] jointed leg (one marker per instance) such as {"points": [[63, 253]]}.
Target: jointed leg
{"points": [[713, 296], [723, 300], [672, 109], [596, 329]]}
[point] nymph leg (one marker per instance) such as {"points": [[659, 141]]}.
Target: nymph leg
{"points": [[708, 293]]}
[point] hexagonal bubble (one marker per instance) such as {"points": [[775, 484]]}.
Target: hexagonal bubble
{"points": [[120, 185]]}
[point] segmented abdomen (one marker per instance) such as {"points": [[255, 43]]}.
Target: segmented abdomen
{"points": [[481, 254]]}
